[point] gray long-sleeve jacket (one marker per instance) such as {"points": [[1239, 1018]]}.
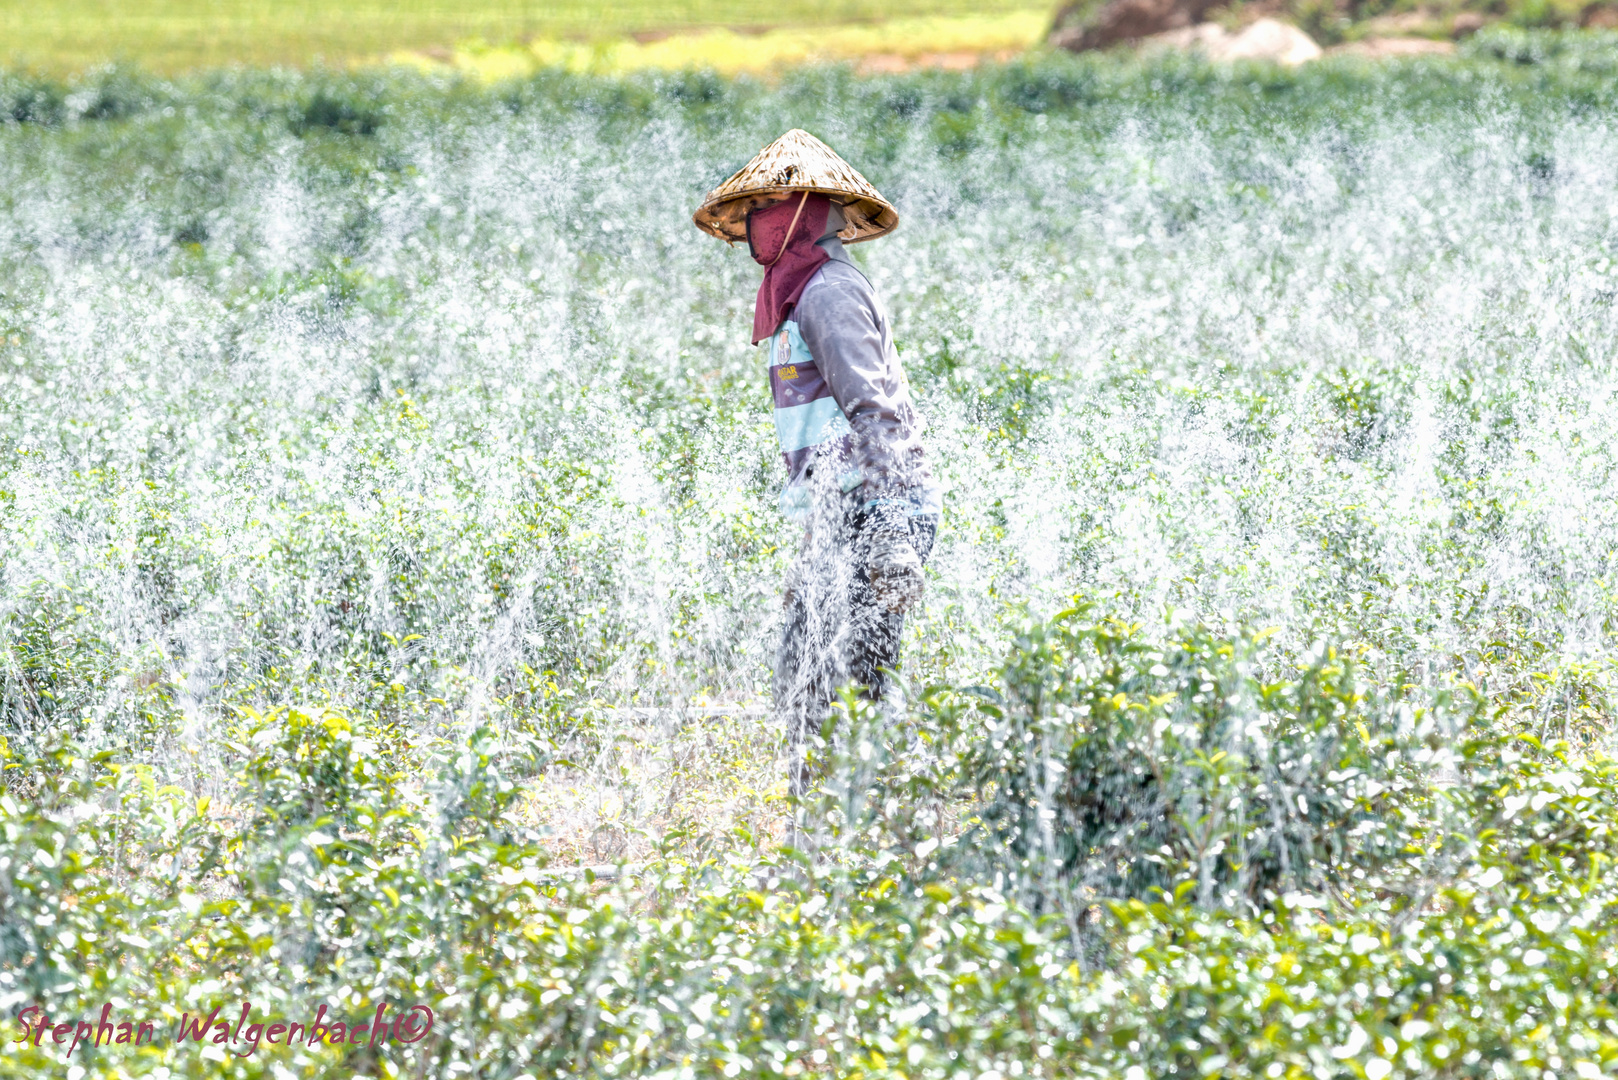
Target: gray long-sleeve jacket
{"points": [[841, 396]]}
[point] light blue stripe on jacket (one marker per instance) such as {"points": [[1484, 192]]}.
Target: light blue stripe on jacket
{"points": [[808, 425]]}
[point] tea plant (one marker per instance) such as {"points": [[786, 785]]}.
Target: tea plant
{"points": [[372, 446]]}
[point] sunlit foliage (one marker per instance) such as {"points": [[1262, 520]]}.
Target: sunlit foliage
{"points": [[365, 439]]}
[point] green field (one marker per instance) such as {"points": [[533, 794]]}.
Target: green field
{"points": [[178, 35], [390, 572]]}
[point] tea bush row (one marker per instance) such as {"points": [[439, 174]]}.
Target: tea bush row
{"points": [[1564, 63], [1468, 932]]}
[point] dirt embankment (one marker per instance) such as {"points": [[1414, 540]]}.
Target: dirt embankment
{"points": [[1287, 31]]}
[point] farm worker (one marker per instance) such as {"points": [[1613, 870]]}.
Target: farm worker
{"points": [[856, 473]]}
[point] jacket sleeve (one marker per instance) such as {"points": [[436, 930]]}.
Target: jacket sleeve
{"points": [[841, 323]]}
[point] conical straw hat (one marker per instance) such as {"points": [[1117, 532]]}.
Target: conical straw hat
{"points": [[797, 161]]}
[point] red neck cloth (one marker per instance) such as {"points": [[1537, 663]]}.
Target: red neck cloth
{"points": [[782, 238]]}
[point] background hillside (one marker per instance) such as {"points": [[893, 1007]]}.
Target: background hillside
{"points": [[505, 38], [175, 35]]}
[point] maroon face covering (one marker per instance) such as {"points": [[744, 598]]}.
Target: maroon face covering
{"points": [[782, 239]]}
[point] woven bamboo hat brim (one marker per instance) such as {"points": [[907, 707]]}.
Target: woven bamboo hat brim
{"points": [[797, 161]]}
